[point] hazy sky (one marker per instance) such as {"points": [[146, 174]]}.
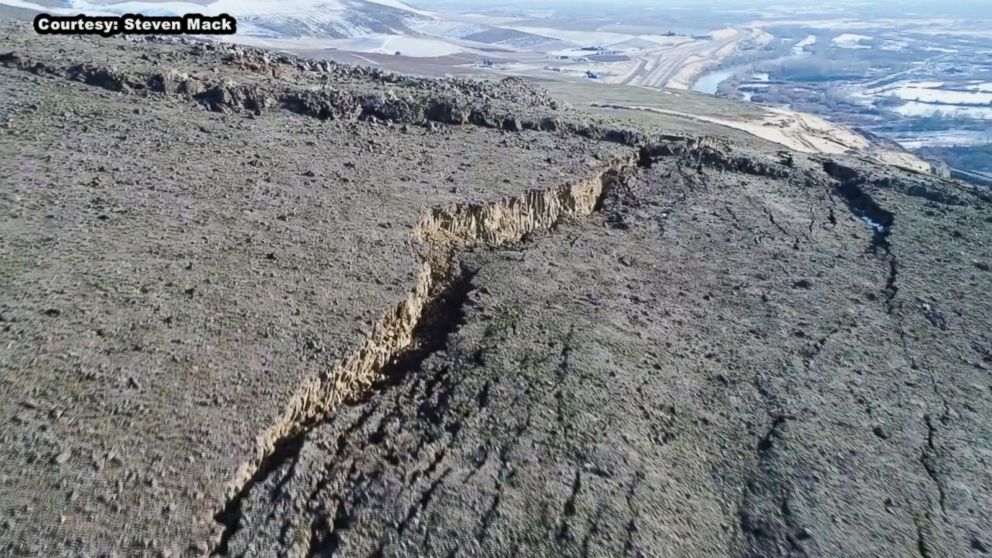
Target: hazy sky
{"points": [[872, 8]]}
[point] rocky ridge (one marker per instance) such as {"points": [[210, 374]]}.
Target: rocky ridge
{"points": [[318, 478]]}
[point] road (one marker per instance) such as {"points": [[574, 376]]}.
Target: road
{"points": [[678, 64]]}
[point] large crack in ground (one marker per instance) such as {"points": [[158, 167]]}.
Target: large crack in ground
{"points": [[851, 189], [861, 204], [441, 315], [415, 328], [419, 325]]}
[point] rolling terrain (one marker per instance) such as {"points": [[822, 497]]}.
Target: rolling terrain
{"points": [[914, 78], [259, 304], [463, 41]]}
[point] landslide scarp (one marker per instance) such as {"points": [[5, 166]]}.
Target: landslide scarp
{"points": [[706, 366], [392, 348], [176, 278], [260, 304]]}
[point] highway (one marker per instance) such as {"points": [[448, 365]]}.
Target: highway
{"points": [[678, 64]]}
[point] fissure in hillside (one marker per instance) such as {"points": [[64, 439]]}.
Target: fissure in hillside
{"points": [[412, 329]]}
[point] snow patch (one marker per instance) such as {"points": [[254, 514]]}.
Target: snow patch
{"points": [[984, 87], [308, 9], [918, 109], [933, 92], [850, 40], [397, 5], [313, 16]]}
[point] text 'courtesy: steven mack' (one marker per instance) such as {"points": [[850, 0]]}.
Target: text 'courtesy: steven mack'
{"points": [[135, 24]]}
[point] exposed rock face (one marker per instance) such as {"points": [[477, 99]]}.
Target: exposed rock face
{"points": [[288, 307], [333, 105]]}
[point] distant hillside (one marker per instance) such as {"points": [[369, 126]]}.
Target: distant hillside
{"points": [[336, 19]]}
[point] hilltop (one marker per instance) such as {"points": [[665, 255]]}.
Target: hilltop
{"points": [[257, 304]]}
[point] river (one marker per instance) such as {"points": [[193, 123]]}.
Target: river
{"points": [[710, 81]]}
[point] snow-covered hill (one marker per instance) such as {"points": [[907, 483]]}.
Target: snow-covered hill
{"points": [[332, 19]]}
